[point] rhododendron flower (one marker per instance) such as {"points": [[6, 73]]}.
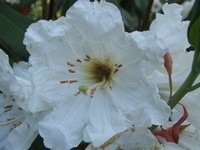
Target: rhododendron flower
{"points": [[167, 30], [132, 138], [94, 76], [17, 128], [182, 60], [179, 136]]}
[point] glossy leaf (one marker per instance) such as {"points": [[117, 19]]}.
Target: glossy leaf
{"points": [[12, 28], [194, 27]]}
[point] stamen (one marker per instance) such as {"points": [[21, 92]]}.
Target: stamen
{"points": [[70, 64], [71, 71], [77, 93], [16, 124], [8, 108], [92, 91], [110, 87], [10, 121], [73, 81], [86, 59], [78, 60], [120, 65], [115, 70], [64, 81]]}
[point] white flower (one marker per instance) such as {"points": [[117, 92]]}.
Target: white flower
{"points": [[165, 33], [30, 81], [131, 139], [182, 62], [16, 126], [141, 138], [165, 139], [170, 28], [94, 76]]}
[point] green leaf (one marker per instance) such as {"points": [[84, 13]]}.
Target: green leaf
{"points": [[194, 32], [66, 5], [194, 26], [38, 144], [141, 6], [12, 28]]}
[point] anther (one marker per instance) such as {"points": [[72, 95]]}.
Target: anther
{"points": [[8, 108], [71, 71], [110, 87], [88, 57], [120, 65], [77, 93], [116, 70], [73, 81], [70, 64], [16, 124], [64, 81], [92, 91], [78, 60]]}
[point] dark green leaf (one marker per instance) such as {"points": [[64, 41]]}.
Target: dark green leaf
{"points": [[12, 28], [194, 26], [66, 5], [141, 6], [38, 144]]}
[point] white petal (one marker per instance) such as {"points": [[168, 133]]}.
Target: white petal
{"points": [[154, 48], [139, 138], [170, 146], [190, 139], [105, 119], [140, 102], [30, 96], [6, 74], [21, 138], [62, 129], [170, 33], [101, 18], [191, 102]]}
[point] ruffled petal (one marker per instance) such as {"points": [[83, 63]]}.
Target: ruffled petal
{"points": [[135, 138], [171, 33], [98, 20], [6, 74], [62, 129], [140, 102], [105, 119]]}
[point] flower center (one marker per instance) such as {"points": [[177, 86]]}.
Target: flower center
{"points": [[100, 70], [97, 71]]}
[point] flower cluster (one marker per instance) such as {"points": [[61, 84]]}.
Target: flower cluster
{"points": [[89, 80]]}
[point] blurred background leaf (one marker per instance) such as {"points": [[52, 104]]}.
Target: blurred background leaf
{"points": [[12, 28], [38, 144], [194, 26]]}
